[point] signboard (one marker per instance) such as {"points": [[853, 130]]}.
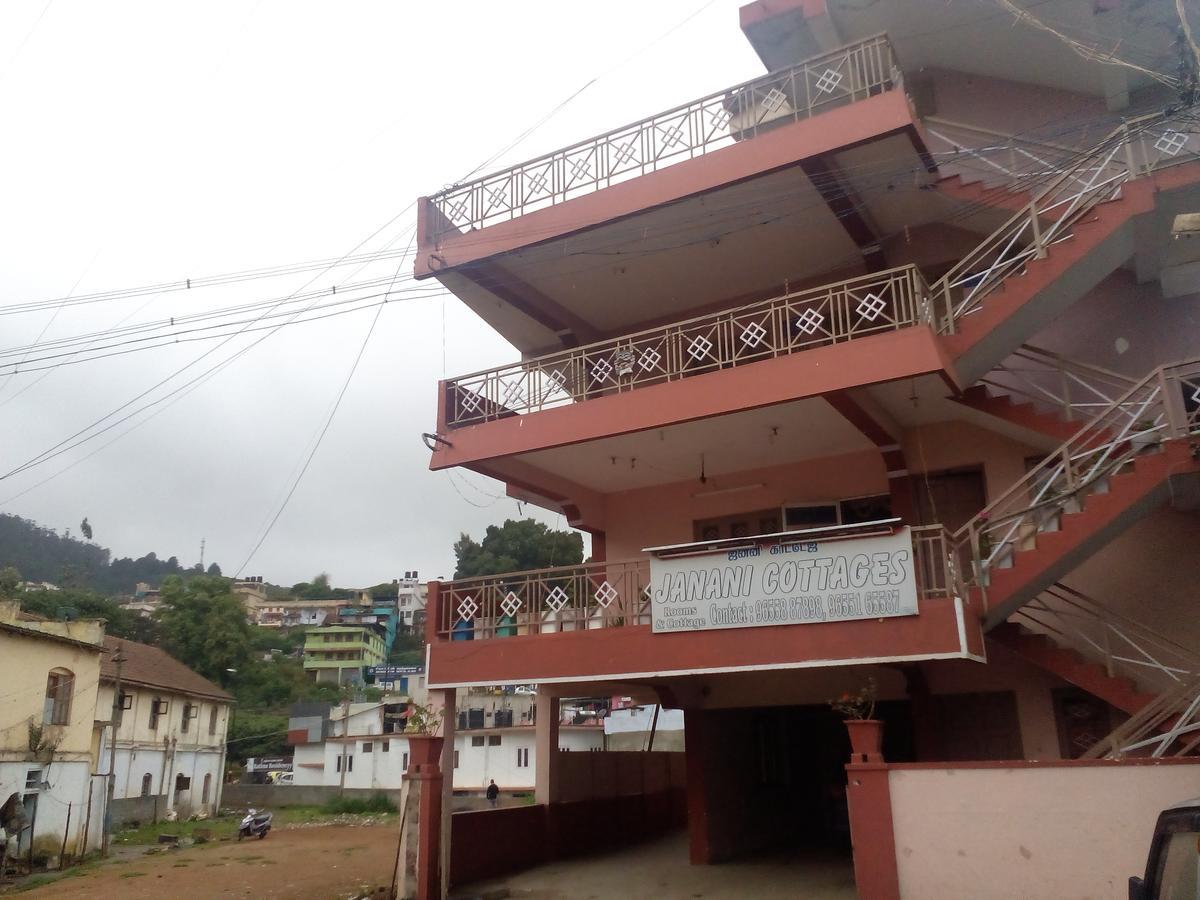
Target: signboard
{"points": [[787, 583], [390, 673], [269, 764]]}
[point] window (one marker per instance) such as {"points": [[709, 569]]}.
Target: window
{"points": [[147, 784], [522, 757], [404, 762], [456, 759], [158, 707], [187, 717], [368, 746], [124, 702], [207, 787], [33, 779], [493, 740], [212, 720], [477, 740], [386, 746], [57, 708]]}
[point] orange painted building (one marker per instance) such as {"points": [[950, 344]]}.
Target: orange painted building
{"points": [[922, 284]]}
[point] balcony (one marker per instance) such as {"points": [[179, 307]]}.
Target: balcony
{"points": [[593, 622], [794, 322], [848, 74]]}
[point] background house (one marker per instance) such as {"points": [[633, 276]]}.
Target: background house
{"points": [[172, 725]]}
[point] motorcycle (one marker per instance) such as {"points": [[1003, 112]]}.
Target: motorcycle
{"points": [[256, 824]]}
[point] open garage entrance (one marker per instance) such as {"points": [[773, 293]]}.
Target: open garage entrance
{"points": [[772, 780]]}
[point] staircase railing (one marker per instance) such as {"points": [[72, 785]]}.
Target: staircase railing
{"points": [[1020, 163], [1167, 726], [1163, 405], [1125, 647], [1135, 148], [1076, 390]]}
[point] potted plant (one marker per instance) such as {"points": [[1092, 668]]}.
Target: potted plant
{"points": [[858, 709], [421, 728]]}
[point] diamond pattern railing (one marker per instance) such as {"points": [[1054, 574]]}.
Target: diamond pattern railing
{"points": [[841, 311], [796, 321], [718, 120], [615, 594]]}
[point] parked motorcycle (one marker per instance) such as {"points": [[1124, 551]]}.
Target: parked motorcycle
{"points": [[256, 824]]}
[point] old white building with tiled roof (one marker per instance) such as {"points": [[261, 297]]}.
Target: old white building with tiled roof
{"points": [[170, 735]]}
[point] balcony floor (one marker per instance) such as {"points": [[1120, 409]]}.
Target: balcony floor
{"points": [[659, 870]]}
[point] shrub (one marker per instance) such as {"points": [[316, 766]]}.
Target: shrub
{"points": [[376, 803]]}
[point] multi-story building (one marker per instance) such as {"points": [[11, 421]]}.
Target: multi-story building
{"points": [[171, 729], [340, 653], [49, 739], [881, 367], [287, 613]]}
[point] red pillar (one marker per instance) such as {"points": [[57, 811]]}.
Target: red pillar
{"points": [[869, 798], [429, 817]]}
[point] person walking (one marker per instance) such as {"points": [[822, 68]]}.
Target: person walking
{"points": [[493, 793]]}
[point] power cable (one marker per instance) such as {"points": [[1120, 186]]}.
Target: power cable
{"points": [[324, 430]]}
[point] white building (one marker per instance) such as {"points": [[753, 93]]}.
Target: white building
{"points": [[508, 755], [373, 753], [171, 730], [356, 747], [631, 727]]}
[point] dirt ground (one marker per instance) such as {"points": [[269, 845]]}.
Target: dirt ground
{"points": [[313, 863]]}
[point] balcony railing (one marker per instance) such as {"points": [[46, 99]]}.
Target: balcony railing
{"points": [[718, 120], [800, 320], [616, 594]]}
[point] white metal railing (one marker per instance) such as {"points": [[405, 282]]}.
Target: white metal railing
{"points": [[841, 311], [795, 321], [1167, 726], [718, 120], [614, 594], [1125, 647], [1163, 405], [1134, 148], [1075, 390], [993, 157]]}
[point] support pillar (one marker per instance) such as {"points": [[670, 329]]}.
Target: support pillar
{"points": [[869, 799], [448, 701], [423, 862], [696, 750], [546, 788]]}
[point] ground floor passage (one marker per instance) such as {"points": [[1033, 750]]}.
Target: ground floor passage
{"points": [[659, 870]]}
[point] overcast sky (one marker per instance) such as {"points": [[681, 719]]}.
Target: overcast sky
{"points": [[150, 142]]}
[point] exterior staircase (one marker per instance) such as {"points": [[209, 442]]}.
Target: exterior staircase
{"points": [[1149, 676], [1138, 452], [1044, 394], [1074, 233], [1071, 666], [1042, 556]]}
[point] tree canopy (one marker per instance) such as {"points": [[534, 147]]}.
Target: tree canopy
{"points": [[204, 626], [516, 545]]}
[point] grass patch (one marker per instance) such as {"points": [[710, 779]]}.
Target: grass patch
{"points": [[376, 803], [132, 875]]}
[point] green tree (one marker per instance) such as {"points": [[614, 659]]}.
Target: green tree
{"points": [[258, 734], [204, 626], [514, 546], [10, 580]]}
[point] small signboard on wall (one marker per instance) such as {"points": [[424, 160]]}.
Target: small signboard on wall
{"points": [[795, 579]]}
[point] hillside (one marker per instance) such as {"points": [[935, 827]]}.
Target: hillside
{"points": [[41, 554]]}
